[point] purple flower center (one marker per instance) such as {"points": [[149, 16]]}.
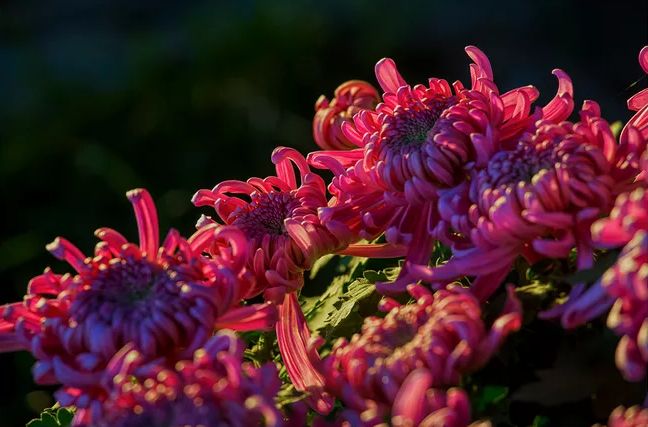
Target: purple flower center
{"points": [[522, 164], [266, 215], [409, 129], [132, 287]]}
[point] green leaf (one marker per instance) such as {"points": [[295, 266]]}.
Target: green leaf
{"points": [[616, 128], [320, 264], [490, 395], [53, 417], [346, 316], [260, 346], [288, 395], [358, 301], [316, 309], [65, 416]]}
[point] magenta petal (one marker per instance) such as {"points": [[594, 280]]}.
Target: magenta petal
{"points": [[257, 317], [377, 250], [483, 64], [8, 339], [147, 221], [638, 101], [64, 250], [293, 337], [410, 402], [484, 285], [388, 76], [591, 304], [561, 106]]}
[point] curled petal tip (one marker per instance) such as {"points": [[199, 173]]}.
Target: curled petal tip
{"points": [[388, 76], [643, 59], [565, 85], [280, 152], [562, 105], [136, 193], [55, 248], [481, 60]]}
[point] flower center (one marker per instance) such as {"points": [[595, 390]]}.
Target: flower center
{"points": [[267, 214], [409, 129], [130, 286], [522, 164]]}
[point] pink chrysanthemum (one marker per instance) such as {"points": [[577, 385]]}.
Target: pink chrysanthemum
{"points": [[215, 388], [349, 98], [419, 140], [442, 333], [537, 197], [626, 282], [165, 301], [417, 403], [278, 216]]}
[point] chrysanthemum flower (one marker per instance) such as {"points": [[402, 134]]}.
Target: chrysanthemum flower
{"points": [[417, 403], [537, 197], [419, 140], [278, 216], [349, 98], [165, 301], [215, 388], [625, 284], [442, 333]]}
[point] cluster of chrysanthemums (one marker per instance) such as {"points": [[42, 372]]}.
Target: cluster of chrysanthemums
{"points": [[143, 334]]}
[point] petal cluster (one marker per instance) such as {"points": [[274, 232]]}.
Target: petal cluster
{"points": [[349, 98], [142, 334], [626, 282], [214, 388], [278, 216], [441, 333], [418, 404], [537, 197], [164, 300], [419, 141]]}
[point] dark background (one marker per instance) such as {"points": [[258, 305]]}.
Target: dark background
{"points": [[100, 97]]}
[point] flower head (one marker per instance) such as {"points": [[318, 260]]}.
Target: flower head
{"points": [[417, 403], [442, 333], [164, 301], [627, 224], [278, 216], [215, 388], [420, 137], [626, 282], [537, 198], [349, 98], [418, 141]]}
